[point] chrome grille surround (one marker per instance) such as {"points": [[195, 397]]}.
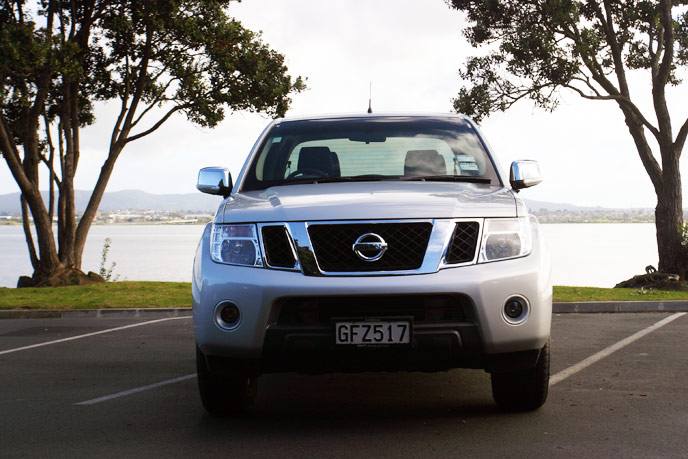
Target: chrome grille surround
{"points": [[464, 243], [292, 248], [435, 255]]}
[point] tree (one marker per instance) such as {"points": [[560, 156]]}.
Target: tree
{"points": [[537, 48], [153, 58]]}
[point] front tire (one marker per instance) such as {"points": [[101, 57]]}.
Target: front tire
{"points": [[225, 394], [523, 390]]}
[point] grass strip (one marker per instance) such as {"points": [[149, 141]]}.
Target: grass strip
{"points": [[99, 296], [178, 294], [580, 294]]}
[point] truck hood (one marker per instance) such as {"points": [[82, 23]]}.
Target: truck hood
{"points": [[368, 201]]}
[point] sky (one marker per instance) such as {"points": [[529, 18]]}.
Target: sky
{"points": [[411, 51]]}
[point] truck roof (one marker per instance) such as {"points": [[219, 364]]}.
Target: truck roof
{"points": [[370, 115]]}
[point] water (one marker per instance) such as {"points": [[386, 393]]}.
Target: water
{"points": [[597, 255], [600, 254], [141, 252]]}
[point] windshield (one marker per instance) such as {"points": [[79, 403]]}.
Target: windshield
{"points": [[367, 149]]}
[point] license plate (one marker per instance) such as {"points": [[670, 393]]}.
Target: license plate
{"points": [[371, 333]]}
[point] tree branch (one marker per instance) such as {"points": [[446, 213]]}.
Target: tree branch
{"points": [[115, 148], [160, 122], [615, 48], [660, 79], [53, 176], [159, 98], [27, 232], [681, 138], [586, 80], [667, 22], [50, 164], [654, 53], [9, 150], [139, 87], [622, 100], [590, 62], [124, 98]]}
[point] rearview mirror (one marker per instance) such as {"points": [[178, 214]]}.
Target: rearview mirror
{"points": [[215, 180], [524, 174]]}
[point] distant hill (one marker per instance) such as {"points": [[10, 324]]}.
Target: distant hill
{"points": [[199, 202], [129, 200], [554, 206]]}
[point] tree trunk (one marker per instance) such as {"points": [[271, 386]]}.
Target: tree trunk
{"points": [[673, 256], [48, 261], [94, 201], [68, 221]]}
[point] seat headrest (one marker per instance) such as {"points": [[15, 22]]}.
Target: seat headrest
{"points": [[320, 159], [334, 159], [424, 162]]}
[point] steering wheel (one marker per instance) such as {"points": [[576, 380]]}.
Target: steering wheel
{"points": [[308, 172]]}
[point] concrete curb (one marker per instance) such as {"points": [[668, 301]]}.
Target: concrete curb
{"points": [[557, 308], [620, 306], [94, 313]]}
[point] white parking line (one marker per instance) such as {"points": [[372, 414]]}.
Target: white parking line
{"points": [[101, 332], [585, 363], [136, 390]]}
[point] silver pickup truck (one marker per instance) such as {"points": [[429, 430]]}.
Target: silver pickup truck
{"points": [[371, 243]]}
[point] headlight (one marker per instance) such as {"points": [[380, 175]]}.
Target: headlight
{"points": [[505, 238], [236, 245]]}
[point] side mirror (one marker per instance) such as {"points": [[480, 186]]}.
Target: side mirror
{"points": [[524, 174], [214, 180]]}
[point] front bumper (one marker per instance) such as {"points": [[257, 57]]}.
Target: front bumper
{"points": [[257, 292]]}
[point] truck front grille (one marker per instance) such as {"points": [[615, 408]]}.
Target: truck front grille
{"points": [[277, 247], [463, 243], [333, 246]]}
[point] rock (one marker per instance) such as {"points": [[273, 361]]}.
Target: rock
{"points": [[655, 280], [61, 278], [95, 277], [24, 282]]}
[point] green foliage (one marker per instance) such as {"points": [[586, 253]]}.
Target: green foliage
{"points": [[208, 60], [534, 48], [190, 55], [105, 271]]}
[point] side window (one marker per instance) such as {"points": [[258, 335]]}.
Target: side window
{"points": [[267, 166]]}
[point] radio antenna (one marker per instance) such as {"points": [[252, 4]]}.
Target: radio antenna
{"points": [[370, 97]]}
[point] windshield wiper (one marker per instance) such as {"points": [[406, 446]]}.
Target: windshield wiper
{"points": [[379, 178], [355, 178], [446, 178]]}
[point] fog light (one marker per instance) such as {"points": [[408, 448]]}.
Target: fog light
{"points": [[227, 314], [516, 309]]}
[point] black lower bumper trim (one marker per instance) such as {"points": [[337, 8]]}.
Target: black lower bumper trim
{"points": [[434, 347]]}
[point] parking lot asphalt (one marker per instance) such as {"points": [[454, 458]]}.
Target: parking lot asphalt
{"points": [[632, 403]]}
